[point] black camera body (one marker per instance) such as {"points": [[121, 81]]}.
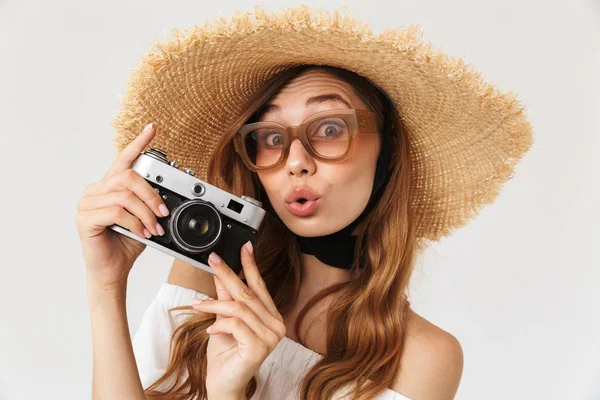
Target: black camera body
{"points": [[202, 218]]}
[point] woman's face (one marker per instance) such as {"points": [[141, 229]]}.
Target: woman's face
{"points": [[344, 187]]}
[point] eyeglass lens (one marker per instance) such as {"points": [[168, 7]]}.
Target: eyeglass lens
{"points": [[328, 136]]}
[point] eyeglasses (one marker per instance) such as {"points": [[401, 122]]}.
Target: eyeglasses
{"points": [[326, 135]]}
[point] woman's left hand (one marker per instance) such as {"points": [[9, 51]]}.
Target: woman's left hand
{"points": [[247, 329]]}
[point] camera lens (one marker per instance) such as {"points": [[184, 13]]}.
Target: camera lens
{"points": [[195, 226]]}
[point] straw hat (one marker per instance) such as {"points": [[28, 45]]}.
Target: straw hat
{"points": [[466, 136]]}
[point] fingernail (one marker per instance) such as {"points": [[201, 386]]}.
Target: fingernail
{"points": [[197, 301], [163, 210], [249, 247], [214, 258], [147, 128], [160, 229], [147, 233]]}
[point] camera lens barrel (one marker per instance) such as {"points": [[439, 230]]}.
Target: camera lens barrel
{"points": [[195, 226]]}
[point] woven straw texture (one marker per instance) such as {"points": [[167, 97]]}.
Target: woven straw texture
{"points": [[466, 136]]}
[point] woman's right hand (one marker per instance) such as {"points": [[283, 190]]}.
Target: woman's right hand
{"points": [[125, 198]]}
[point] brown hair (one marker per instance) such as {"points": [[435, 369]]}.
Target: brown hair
{"points": [[367, 322]]}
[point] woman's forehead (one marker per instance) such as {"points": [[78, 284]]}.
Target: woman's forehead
{"points": [[314, 90], [329, 98]]}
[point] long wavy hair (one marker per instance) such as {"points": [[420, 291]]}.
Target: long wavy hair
{"points": [[366, 324]]}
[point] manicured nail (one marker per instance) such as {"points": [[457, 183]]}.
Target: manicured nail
{"points": [[249, 247], [147, 233], [197, 301], [160, 229], [147, 128], [163, 210], [214, 258]]}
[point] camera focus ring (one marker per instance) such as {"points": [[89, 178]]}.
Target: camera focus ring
{"points": [[195, 226]]}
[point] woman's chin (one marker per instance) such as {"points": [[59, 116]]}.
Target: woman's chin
{"points": [[306, 228]]}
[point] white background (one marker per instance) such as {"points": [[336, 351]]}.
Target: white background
{"points": [[519, 286]]}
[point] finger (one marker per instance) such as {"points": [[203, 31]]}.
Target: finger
{"points": [[222, 292], [134, 182], [255, 281], [92, 223], [128, 155], [240, 292], [251, 348], [240, 310], [125, 199]]}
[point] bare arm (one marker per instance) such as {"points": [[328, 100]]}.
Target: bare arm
{"points": [[115, 374]]}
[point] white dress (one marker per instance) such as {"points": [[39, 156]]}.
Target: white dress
{"points": [[277, 378]]}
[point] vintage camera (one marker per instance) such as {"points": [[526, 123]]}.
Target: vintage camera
{"points": [[202, 218]]}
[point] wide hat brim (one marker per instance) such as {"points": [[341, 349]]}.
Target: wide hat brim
{"points": [[466, 136]]}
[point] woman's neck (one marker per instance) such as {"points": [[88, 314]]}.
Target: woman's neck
{"points": [[317, 276]]}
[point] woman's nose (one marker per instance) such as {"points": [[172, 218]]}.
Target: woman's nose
{"points": [[299, 158]]}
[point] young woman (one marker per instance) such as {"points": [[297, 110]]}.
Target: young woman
{"points": [[320, 308]]}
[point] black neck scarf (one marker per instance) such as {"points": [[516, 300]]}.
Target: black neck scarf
{"points": [[337, 249]]}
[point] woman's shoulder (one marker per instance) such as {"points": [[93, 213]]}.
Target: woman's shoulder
{"points": [[432, 361]]}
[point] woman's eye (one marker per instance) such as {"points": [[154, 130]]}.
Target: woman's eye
{"points": [[270, 138], [329, 129]]}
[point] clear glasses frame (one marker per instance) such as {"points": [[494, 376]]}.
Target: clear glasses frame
{"points": [[357, 121]]}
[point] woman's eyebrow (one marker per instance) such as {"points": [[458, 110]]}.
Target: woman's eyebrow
{"points": [[309, 102]]}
